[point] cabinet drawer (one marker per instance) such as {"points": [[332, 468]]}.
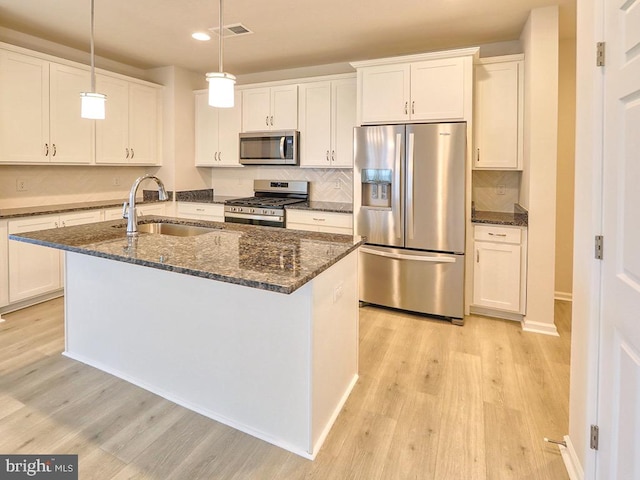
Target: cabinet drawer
{"points": [[312, 217], [203, 211], [498, 234]]}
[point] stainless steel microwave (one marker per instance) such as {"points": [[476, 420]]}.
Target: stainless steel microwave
{"points": [[269, 148]]}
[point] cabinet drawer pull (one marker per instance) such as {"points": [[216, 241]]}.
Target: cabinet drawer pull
{"points": [[319, 219], [497, 234], [199, 209]]}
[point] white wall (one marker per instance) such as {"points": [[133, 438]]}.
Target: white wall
{"points": [[566, 170], [538, 194]]}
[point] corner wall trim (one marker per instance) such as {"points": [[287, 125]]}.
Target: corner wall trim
{"points": [[540, 327], [571, 462]]}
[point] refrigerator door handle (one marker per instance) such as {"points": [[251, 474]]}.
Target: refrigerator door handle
{"points": [[402, 256], [396, 187], [409, 186]]}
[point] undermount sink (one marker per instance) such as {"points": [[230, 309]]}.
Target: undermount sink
{"points": [[175, 229]]}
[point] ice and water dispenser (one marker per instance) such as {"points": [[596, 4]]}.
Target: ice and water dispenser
{"points": [[376, 188]]}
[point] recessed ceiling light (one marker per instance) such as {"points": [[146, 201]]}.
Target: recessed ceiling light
{"points": [[203, 37]]}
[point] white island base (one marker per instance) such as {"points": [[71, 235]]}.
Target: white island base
{"points": [[276, 366]]}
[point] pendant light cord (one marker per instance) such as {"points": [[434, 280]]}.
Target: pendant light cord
{"points": [[93, 68], [221, 41]]}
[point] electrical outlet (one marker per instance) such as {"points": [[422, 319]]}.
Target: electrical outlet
{"points": [[337, 292], [500, 189], [21, 185], [116, 181]]}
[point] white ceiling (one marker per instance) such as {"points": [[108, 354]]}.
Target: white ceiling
{"points": [[288, 33]]}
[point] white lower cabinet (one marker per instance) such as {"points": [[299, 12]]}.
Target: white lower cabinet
{"points": [[159, 208], [201, 211], [4, 264], [32, 269], [499, 272], [317, 221]]}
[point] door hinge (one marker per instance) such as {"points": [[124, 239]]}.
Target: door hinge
{"points": [[595, 433], [599, 247], [600, 54]]}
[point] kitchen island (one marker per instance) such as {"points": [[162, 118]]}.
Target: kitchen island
{"points": [[255, 327]]}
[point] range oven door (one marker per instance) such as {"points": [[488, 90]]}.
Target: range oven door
{"points": [[248, 219]]}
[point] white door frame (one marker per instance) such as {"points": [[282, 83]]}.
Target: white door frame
{"points": [[588, 223]]}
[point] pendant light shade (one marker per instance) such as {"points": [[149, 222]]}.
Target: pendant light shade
{"points": [[221, 89], [92, 103], [221, 84]]}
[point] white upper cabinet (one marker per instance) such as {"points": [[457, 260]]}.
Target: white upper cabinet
{"points": [[40, 111], [417, 88], [129, 133], [498, 113], [270, 108], [217, 130], [327, 116]]}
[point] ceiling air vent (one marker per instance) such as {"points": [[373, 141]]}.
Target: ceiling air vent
{"points": [[232, 30]]}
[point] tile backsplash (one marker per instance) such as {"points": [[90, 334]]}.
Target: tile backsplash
{"points": [[495, 190], [326, 185]]}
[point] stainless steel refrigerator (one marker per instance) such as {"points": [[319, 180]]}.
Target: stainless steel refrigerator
{"points": [[409, 183]]}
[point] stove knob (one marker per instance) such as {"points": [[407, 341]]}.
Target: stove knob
{"points": [[252, 210]]}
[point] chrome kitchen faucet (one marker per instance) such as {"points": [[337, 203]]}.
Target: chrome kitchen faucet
{"points": [[129, 209]]}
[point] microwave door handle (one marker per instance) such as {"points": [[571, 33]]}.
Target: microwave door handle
{"points": [[282, 139]]}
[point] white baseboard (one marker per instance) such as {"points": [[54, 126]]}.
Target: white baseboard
{"points": [[488, 312], [571, 462], [539, 327], [564, 296]]}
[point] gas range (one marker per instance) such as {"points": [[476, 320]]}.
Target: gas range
{"points": [[266, 207]]}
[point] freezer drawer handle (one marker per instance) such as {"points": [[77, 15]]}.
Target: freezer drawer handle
{"points": [[401, 256]]}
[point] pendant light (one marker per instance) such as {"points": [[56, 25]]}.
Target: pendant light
{"points": [[220, 83], [92, 103]]}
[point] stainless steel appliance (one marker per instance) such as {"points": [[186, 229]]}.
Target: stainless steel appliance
{"points": [[269, 148], [266, 207], [410, 183]]}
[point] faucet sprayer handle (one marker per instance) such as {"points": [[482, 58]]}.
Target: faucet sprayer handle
{"points": [[125, 214]]}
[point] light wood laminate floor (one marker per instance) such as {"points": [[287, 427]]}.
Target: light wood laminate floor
{"points": [[434, 401]]}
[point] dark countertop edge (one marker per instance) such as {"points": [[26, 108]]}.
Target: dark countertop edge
{"points": [[216, 199], [518, 218], [196, 273], [17, 212], [320, 206]]}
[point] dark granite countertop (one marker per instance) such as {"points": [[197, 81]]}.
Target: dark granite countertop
{"points": [[338, 207], [519, 217], [268, 258], [219, 199], [63, 208]]}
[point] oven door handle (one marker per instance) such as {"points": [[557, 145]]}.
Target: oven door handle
{"points": [[282, 139]]}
